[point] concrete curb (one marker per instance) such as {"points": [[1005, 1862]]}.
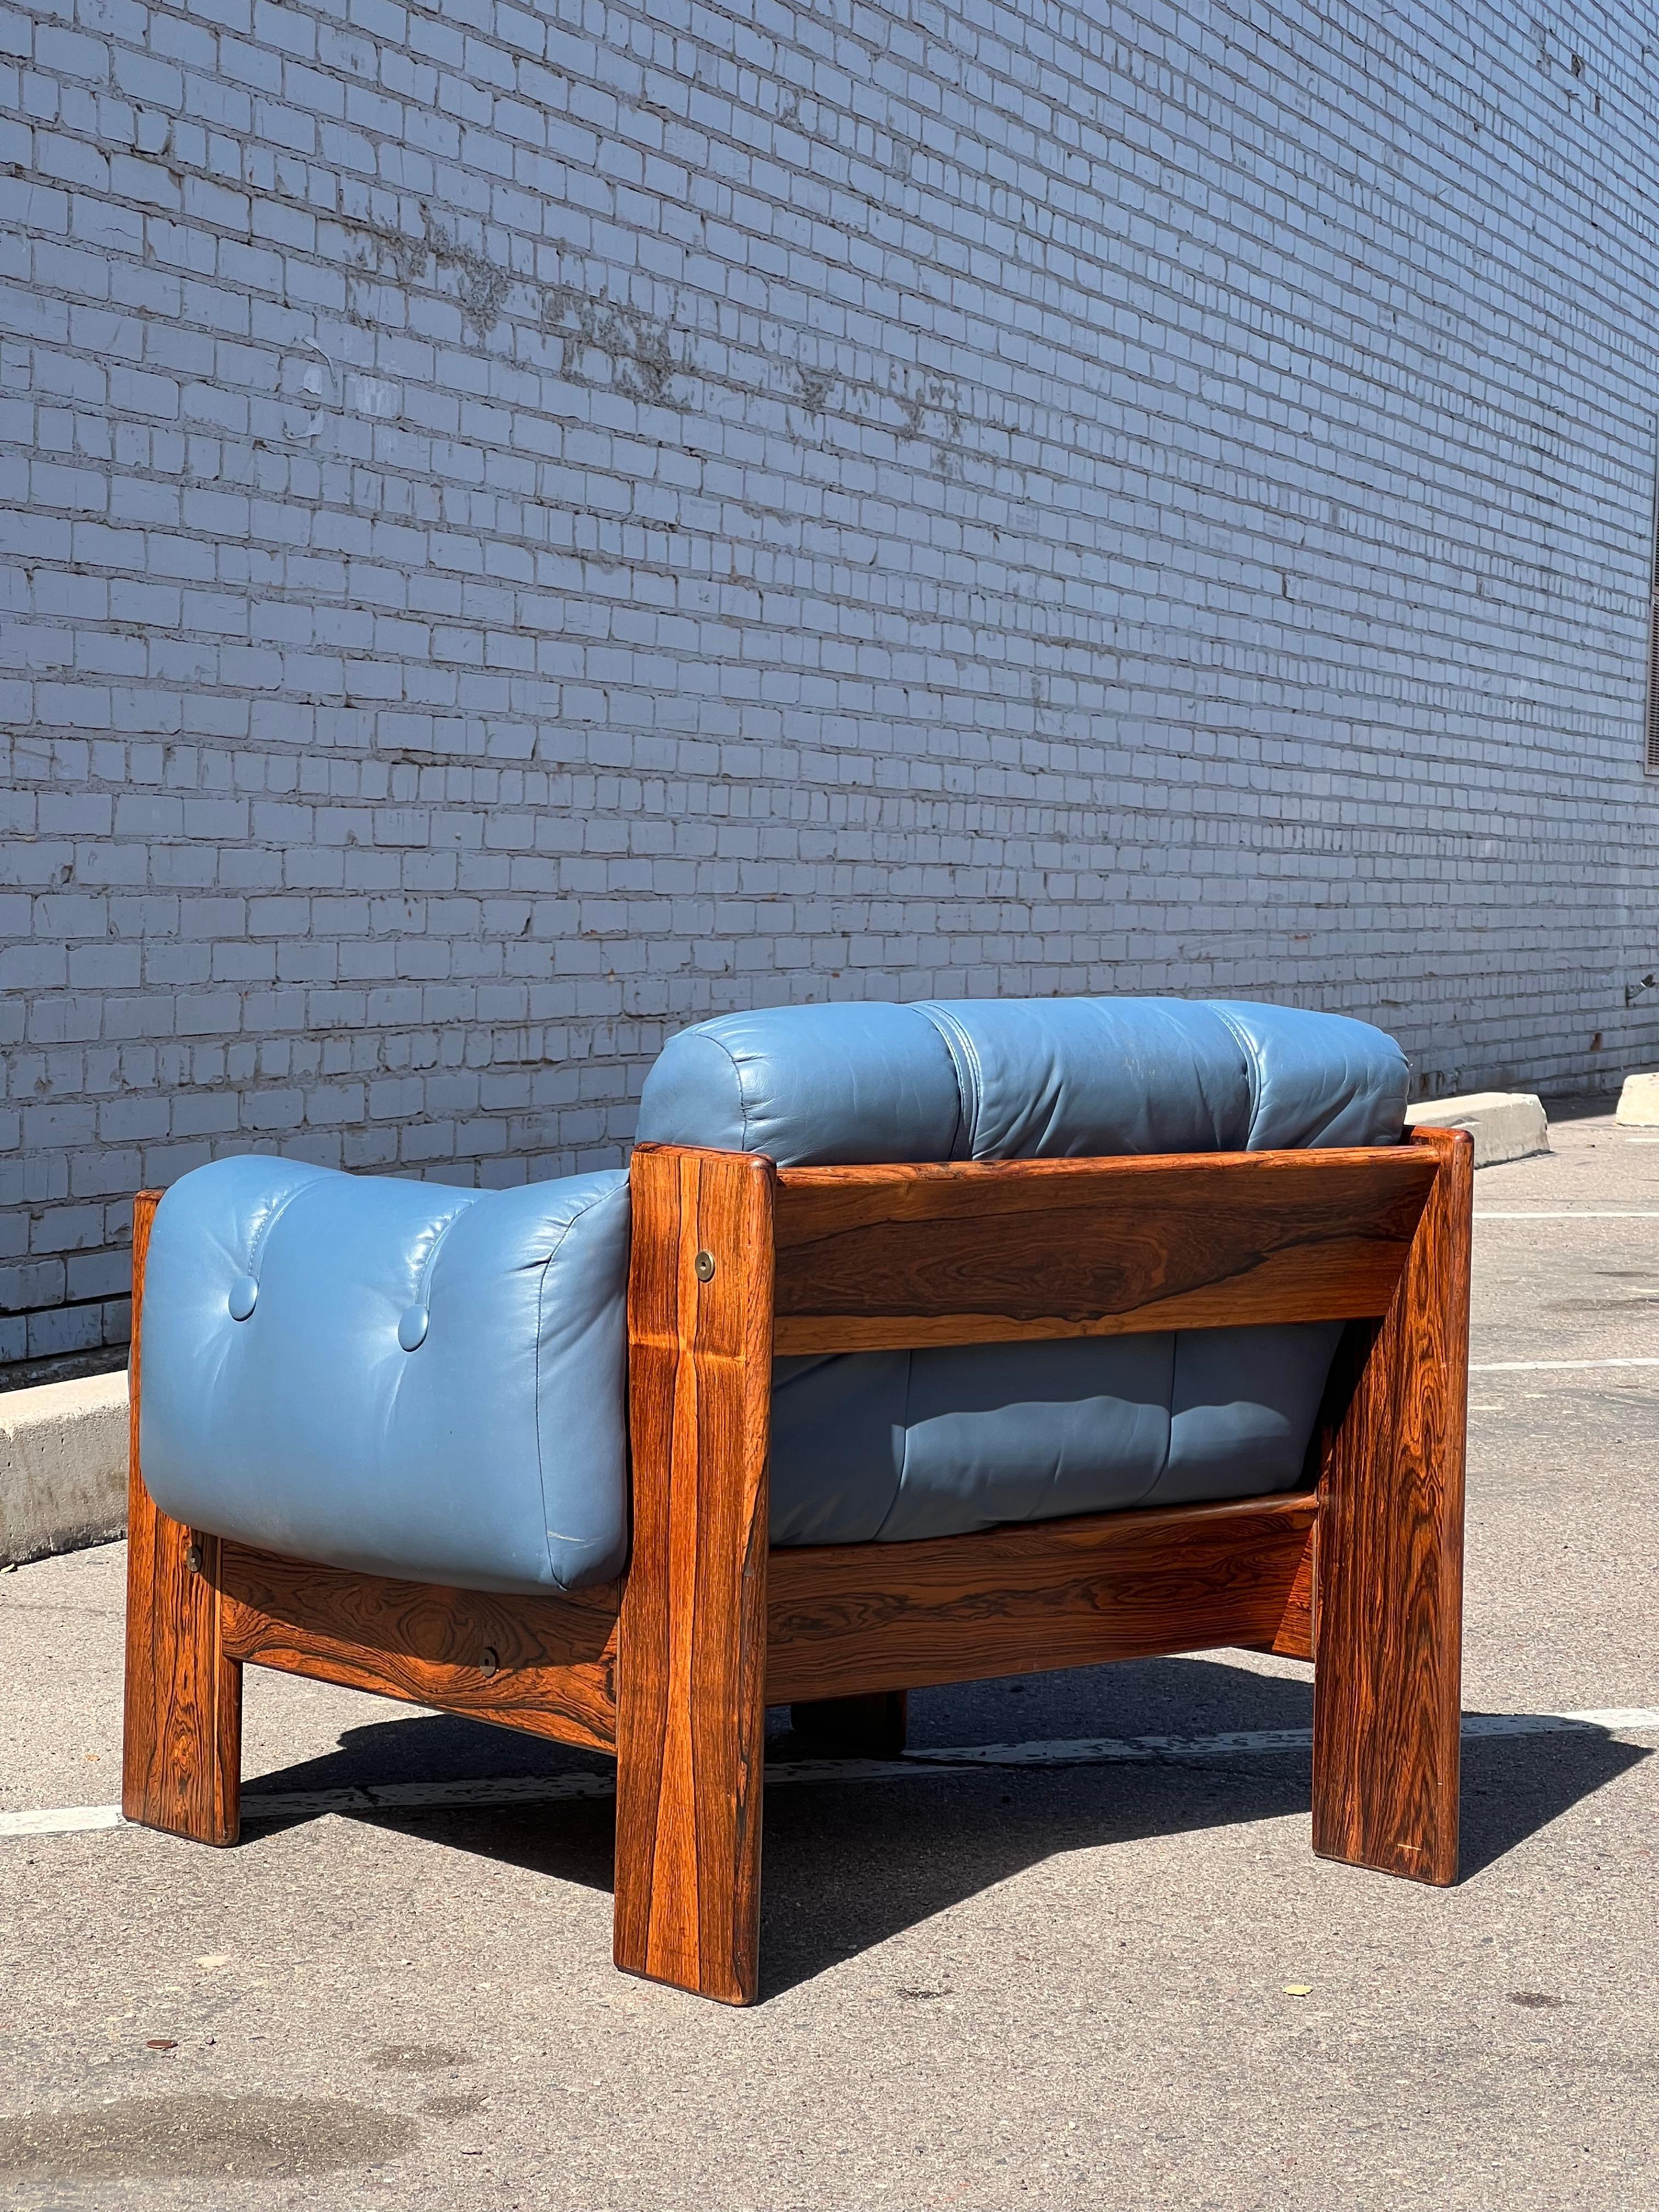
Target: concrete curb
{"points": [[63, 1467], [1639, 1103], [1506, 1125]]}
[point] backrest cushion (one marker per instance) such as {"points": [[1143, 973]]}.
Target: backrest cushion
{"points": [[1023, 1079], [829, 1084]]}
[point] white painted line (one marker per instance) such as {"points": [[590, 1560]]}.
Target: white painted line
{"points": [[1088, 1751], [1552, 1367], [64, 1821], [1571, 1213], [1080, 1751], [405, 1796], [1616, 1719]]}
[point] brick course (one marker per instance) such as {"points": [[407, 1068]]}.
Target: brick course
{"points": [[524, 527]]}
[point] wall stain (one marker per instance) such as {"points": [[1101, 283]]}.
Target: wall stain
{"points": [[483, 288], [813, 387], [932, 408], [385, 250], [638, 346]]}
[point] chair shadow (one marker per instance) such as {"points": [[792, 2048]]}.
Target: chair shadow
{"points": [[851, 1864]]}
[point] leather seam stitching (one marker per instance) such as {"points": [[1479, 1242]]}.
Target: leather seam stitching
{"points": [[423, 1281], [1253, 1063], [945, 1028], [262, 1234], [541, 1465], [904, 1455], [541, 1302], [743, 1103]]}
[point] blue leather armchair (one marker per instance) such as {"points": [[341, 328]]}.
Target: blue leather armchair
{"points": [[890, 1293]]}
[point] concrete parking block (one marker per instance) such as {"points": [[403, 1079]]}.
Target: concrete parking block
{"points": [[1639, 1101], [63, 1467], [1506, 1125]]}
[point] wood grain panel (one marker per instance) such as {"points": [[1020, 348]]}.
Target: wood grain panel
{"points": [[181, 1752], [846, 1620], [691, 1705], [1294, 1638], [967, 1254], [545, 1665], [1389, 1616]]}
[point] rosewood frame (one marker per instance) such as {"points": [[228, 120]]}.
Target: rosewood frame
{"points": [[672, 1667]]}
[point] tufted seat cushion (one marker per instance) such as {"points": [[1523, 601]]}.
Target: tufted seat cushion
{"points": [[431, 1383], [393, 1376]]}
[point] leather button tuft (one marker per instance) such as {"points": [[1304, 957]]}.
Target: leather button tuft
{"points": [[412, 1329], [244, 1296]]}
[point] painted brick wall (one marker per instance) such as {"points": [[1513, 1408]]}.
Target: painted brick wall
{"points": [[527, 526]]}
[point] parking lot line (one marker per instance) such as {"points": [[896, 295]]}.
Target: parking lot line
{"points": [[1084, 1751], [1544, 1366]]}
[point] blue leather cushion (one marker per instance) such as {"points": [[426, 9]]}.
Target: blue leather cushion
{"points": [[880, 1446], [1023, 1079], [431, 1383], [427, 1382], [890, 1445], [824, 1085]]}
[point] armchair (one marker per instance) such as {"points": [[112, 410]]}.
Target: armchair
{"points": [[916, 1345]]}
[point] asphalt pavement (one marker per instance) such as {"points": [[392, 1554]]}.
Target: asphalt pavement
{"points": [[1123, 1982]]}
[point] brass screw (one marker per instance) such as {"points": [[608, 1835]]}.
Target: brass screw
{"points": [[704, 1265]]}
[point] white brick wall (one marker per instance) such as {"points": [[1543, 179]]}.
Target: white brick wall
{"points": [[527, 526]]}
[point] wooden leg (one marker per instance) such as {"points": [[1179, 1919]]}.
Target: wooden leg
{"points": [[182, 1749], [691, 1642], [872, 1727], [1389, 1619]]}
